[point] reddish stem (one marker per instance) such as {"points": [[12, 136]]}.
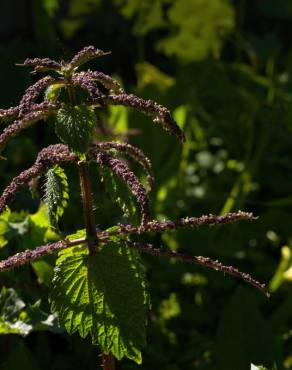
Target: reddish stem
{"points": [[108, 361], [92, 240]]}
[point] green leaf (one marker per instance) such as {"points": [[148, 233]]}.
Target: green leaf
{"points": [[52, 92], [44, 272], [119, 194], [104, 296], [148, 14], [39, 230], [4, 227], [51, 6], [148, 74], [75, 127], [118, 118], [72, 250], [79, 234], [56, 193], [21, 357], [12, 224], [10, 303], [244, 335], [200, 28], [18, 318]]}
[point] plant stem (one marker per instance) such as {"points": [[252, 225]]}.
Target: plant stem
{"points": [[92, 240], [72, 96], [108, 361]]}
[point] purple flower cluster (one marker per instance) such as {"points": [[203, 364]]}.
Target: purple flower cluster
{"points": [[54, 154], [26, 121], [167, 225], [10, 113], [199, 260], [41, 64], [84, 56], [32, 93], [89, 86], [105, 80], [132, 152], [30, 255], [157, 112]]}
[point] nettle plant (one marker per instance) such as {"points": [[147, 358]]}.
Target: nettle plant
{"points": [[99, 286]]}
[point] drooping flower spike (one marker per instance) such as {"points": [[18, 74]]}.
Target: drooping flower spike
{"points": [[9, 113], [85, 55], [27, 103], [32, 93], [41, 64], [157, 112], [122, 171], [89, 86], [31, 255], [42, 112], [106, 81], [58, 153], [199, 260], [155, 226], [133, 152], [48, 157]]}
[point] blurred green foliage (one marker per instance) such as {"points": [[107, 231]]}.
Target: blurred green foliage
{"points": [[224, 69]]}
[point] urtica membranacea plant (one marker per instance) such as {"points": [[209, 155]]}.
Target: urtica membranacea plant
{"points": [[99, 286]]}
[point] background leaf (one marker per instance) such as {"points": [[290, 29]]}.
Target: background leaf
{"points": [[18, 318], [244, 335], [119, 194]]}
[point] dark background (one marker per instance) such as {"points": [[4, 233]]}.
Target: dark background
{"points": [[224, 69]]}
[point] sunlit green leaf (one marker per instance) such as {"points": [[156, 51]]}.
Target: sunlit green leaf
{"points": [[75, 127], [200, 25], [56, 193], [103, 296]]}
